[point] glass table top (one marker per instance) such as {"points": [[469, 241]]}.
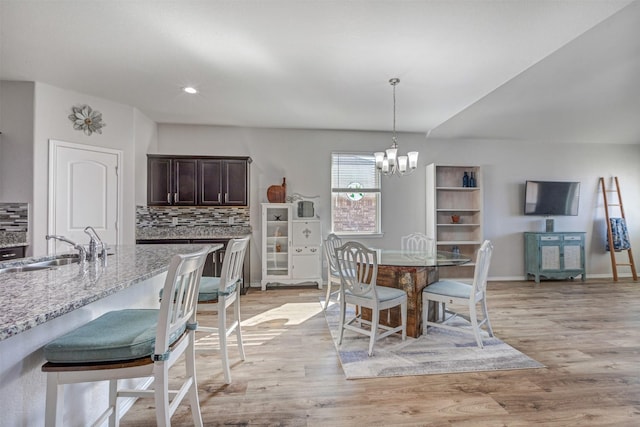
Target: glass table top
{"points": [[394, 257]]}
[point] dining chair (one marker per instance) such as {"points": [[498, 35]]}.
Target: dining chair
{"points": [[333, 276], [134, 343], [418, 242], [217, 294], [358, 269], [454, 292]]}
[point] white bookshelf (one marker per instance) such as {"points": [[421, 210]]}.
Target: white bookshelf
{"points": [[446, 197]]}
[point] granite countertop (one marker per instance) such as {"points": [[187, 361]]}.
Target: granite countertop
{"points": [[34, 297], [198, 232], [10, 239]]}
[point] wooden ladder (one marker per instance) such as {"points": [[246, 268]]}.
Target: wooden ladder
{"points": [[614, 262]]}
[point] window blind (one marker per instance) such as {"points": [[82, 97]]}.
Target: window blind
{"points": [[354, 168]]}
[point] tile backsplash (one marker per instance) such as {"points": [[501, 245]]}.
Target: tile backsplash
{"points": [[14, 217], [171, 216]]}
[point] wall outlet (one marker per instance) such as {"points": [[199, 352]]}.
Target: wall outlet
{"points": [[231, 220], [174, 220]]}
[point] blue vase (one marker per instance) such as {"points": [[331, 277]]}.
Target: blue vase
{"points": [[465, 180]]}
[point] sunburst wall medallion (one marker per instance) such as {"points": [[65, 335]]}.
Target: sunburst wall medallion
{"points": [[86, 119]]}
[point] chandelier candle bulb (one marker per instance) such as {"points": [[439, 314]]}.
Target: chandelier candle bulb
{"points": [[391, 155], [379, 159], [413, 159], [402, 163]]}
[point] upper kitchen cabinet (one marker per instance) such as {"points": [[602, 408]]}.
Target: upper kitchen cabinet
{"points": [[224, 182], [172, 181], [197, 180]]}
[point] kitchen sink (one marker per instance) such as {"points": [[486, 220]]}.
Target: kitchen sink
{"points": [[43, 265], [59, 260], [29, 267]]}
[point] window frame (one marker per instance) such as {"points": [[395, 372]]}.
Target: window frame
{"points": [[376, 189]]}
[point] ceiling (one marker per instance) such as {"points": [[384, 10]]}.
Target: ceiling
{"points": [[541, 70]]}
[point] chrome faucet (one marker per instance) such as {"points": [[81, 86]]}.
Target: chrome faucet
{"points": [[81, 250], [93, 245]]}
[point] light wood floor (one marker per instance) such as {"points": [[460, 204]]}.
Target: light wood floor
{"points": [[586, 334]]}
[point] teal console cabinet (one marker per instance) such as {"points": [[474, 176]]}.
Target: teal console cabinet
{"points": [[554, 255]]}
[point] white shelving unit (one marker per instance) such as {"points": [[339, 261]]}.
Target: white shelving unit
{"points": [[447, 197], [291, 248]]}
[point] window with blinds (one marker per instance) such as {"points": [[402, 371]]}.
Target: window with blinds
{"points": [[355, 194]]}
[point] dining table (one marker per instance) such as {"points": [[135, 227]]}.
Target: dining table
{"points": [[411, 271]]}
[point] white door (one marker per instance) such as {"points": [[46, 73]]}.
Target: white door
{"points": [[84, 189]]}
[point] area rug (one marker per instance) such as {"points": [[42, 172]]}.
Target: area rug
{"points": [[441, 351]]}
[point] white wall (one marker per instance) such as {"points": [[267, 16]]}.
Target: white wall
{"points": [[16, 141], [146, 141], [303, 157]]}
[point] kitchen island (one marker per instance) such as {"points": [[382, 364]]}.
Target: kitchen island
{"points": [[38, 306]]}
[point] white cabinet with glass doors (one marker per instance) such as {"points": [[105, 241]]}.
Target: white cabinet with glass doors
{"points": [[291, 248]]}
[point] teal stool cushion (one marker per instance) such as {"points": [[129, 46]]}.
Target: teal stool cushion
{"points": [[210, 288], [385, 293], [114, 336], [449, 288]]}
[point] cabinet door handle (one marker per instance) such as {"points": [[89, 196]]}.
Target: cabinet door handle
{"points": [[313, 249], [219, 197], [298, 250], [175, 197], [169, 198], [10, 255], [226, 197]]}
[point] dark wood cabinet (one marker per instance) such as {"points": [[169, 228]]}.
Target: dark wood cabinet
{"points": [[172, 181], [211, 182], [197, 180], [185, 191], [159, 188], [9, 254], [234, 181], [223, 182]]}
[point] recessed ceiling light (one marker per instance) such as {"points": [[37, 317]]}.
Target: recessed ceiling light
{"points": [[190, 90]]}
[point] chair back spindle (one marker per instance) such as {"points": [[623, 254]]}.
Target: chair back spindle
{"points": [[418, 242], [481, 273], [330, 246], [233, 263], [333, 276], [358, 267]]}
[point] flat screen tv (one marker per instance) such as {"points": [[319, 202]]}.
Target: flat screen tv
{"points": [[551, 198]]}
